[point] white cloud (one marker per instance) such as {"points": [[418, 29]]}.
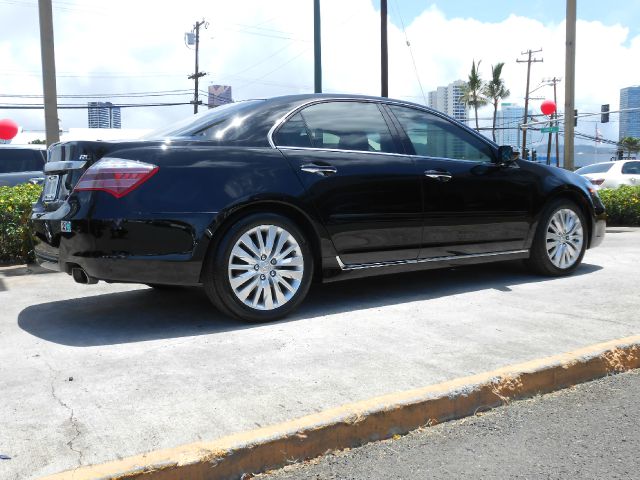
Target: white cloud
{"points": [[139, 46]]}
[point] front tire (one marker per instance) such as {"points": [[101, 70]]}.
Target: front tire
{"points": [[260, 270], [560, 240]]}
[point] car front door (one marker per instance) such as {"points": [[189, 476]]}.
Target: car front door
{"points": [[367, 194], [472, 205]]}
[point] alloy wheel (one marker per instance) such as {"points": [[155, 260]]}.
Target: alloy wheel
{"points": [[565, 237], [266, 267]]}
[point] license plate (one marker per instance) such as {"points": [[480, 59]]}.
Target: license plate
{"points": [[50, 188]]}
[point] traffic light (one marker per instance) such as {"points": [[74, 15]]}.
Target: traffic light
{"points": [[534, 155], [604, 115], [575, 118]]}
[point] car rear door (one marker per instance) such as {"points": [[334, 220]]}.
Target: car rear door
{"points": [[631, 173], [472, 205], [366, 193]]}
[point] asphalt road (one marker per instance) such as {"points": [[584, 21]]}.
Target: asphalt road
{"points": [[94, 373], [586, 432]]}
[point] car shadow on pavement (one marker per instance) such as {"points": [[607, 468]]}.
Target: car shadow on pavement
{"points": [[148, 314]]}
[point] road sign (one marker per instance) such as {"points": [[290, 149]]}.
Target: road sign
{"points": [[549, 129]]}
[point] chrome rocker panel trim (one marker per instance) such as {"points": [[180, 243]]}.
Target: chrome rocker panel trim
{"points": [[361, 266]]}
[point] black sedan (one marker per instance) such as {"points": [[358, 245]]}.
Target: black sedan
{"points": [[254, 200]]}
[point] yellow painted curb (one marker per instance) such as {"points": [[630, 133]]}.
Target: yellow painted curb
{"points": [[368, 420]]}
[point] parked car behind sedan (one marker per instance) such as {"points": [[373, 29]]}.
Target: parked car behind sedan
{"points": [[21, 164], [255, 200], [612, 174]]}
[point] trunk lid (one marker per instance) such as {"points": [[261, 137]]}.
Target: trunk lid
{"points": [[66, 162]]}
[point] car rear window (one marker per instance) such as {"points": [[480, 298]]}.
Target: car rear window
{"points": [[20, 160], [595, 168]]}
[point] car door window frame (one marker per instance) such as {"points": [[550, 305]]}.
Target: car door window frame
{"points": [[393, 130], [410, 149]]}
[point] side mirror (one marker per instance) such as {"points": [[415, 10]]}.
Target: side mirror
{"points": [[506, 155]]}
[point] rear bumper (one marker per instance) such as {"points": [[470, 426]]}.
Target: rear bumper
{"points": [[127, 251], [170, 271]]}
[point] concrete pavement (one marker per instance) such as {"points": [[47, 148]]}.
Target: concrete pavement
{"points": [[95, 373], [586, 432]]}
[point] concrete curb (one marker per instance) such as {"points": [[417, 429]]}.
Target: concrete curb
{"points": [[368, 420]]}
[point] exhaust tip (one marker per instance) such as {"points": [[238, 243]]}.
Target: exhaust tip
{"points": [[80, 276]]}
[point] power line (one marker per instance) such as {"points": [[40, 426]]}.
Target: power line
{"points": [[16, 106], [106, 95]]}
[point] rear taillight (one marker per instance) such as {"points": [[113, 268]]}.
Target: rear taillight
{"points": [[116, 176], [597, 181]]}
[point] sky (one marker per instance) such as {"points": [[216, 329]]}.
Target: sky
{"points": [[265, 49]]}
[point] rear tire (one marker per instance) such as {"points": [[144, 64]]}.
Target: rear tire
{"points": [[260, 270], [560, 240]]}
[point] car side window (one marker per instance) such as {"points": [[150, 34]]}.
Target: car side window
{"points": [[293, 133], [433, 136], [348, 126], [631, 168]]}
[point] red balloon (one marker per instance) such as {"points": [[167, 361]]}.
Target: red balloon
{"points": [[548, 107], [8, 129]]}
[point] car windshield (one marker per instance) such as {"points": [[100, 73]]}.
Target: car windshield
{"points": [[223, 117], [596, 168]]}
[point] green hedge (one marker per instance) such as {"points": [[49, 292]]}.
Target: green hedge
{"points": [[16, 238], [623, 205]]}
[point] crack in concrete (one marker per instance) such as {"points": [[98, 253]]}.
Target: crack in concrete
{"points": [[72, 419]]}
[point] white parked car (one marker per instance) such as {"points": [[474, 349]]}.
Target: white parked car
{"points": [[612, 174]]}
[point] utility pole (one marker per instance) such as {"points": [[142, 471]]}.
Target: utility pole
{"points": [[197, 74], [47, 54], [317, 48], [555, 116], [384, 51], [553, 123], [529, 61], [570, 83]]}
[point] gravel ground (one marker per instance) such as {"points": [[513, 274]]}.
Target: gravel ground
{"points": [[586, 432]]}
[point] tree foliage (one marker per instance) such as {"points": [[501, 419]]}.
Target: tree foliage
{"points": [[495, 90], [472, 91], [630, 144]]}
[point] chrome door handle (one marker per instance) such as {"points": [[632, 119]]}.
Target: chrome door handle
{"points": [[438, 175], [322, 170]]}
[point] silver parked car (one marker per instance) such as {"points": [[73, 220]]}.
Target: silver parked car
{"points": [[612, 174], [21, 164]]}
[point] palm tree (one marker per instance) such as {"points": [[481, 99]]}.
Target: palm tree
{"points": [[472, 91], [495, 90], [630, 144]]}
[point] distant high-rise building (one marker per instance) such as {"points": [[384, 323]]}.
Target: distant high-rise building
{"points": [[508, 120], [630, 121], [219, 95], [104, 115], [447, 99]]}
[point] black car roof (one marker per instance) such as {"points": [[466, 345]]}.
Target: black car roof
{"points": [[301, 98]]}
